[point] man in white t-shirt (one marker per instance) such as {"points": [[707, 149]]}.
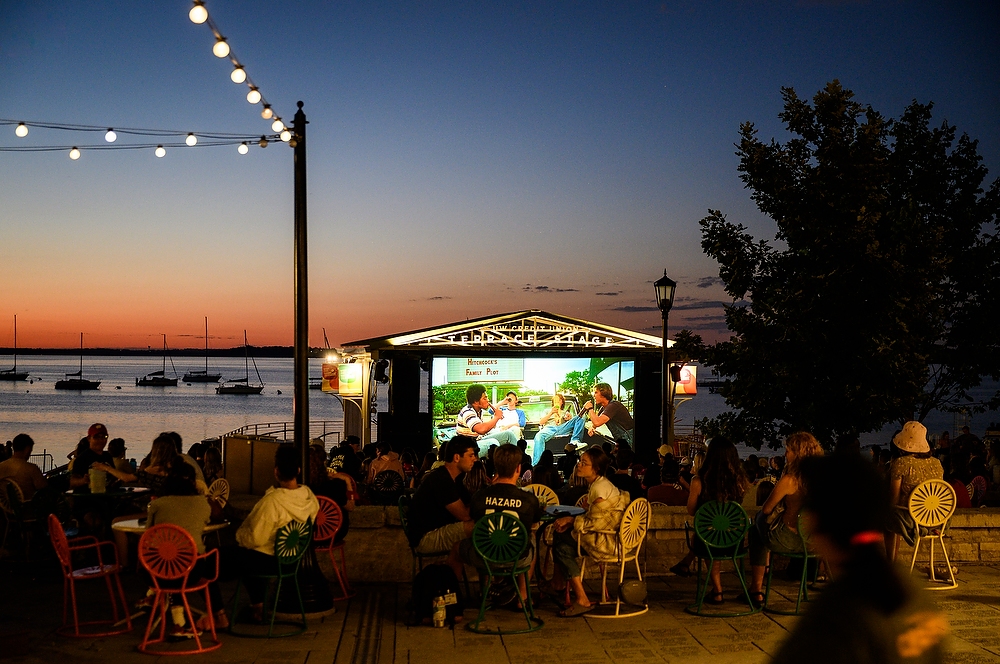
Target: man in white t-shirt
{"points": [[470, 420]]}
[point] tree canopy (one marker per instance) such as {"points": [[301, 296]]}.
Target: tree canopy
{"points": [[875, 302]]}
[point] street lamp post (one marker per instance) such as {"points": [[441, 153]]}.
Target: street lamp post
{"points": [[665, 287]]}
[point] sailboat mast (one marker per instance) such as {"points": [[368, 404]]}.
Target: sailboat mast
{"points": [[164, 354], [15, 343], [246, 357], [206, 345], [81, 355]]}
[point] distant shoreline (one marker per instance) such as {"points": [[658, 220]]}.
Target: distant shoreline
{"points": [[236, 351]]}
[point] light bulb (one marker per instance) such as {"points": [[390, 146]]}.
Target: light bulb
{"points": [[221, 48], [253, 96], [111, 136], [263, 142], [21, 130], [191, 140], [267, 112], [74, 154], [286, 135], [239, 74], [243, 148], [159, 152], [198, 13], [277, 125]]}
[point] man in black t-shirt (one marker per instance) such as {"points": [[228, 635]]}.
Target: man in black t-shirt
{"points": [[97, 437], [610, 412], [439, 514], [504, 496]]}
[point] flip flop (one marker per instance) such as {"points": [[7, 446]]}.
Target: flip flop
{"points": [[575, 610]]}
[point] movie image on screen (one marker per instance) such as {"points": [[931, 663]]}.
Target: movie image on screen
{"points": [[539, 384]]}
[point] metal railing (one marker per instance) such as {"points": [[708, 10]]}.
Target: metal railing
{"points": [[44, 461], [322, 429]]}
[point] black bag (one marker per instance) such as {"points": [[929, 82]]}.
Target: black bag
{"points": [[435, 581]]}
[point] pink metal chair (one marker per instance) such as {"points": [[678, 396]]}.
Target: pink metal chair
{"points": [[170, 555], [106, 568], [328, 522]]}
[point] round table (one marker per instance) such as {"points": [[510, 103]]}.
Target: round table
{"points": [[139, 526]]}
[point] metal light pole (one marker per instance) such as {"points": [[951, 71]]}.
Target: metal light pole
{"points": [[665, 288], [300, 398]]}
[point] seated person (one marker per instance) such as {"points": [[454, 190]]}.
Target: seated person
{"points": [[610, 413], [514, 418], [595, 530], [503, 495], [780, 535], [279, 506], [914, 465], [385, 459], [669, 491], [326, 483], [25, 474], [181, 505], [439, 515], [470, 423], [116, 448], [86, 456], [545, 472], [553, 419]]}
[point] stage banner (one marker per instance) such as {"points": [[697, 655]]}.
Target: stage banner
{"points": [[688, 384], [485, 370], [343, 379]]}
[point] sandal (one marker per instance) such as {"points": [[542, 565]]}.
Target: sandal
{"points": [[575, 610], [757, 599], [556, 596], [715, 597]]}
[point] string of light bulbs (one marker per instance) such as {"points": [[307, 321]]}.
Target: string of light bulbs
{"points": [[221, 49], [184, 138]]}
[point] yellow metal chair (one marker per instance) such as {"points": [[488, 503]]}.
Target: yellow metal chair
{"points": [[631, 536], [546, 496], [931, 506]]}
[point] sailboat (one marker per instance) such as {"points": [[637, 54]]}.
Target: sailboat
{"points": [[199, 376], [242, 385], [159, 378], [14, 374], [75, 380]]}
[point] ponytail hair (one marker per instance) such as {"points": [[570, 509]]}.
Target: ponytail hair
{"points": [[851, 507]]}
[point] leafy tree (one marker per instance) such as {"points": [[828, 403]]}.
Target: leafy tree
{"points": [[876, 301], [579, 383]]}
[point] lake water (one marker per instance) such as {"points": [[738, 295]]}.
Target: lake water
{"points": [[57, 419]]}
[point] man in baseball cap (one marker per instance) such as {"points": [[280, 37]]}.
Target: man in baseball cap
{"points": [[97, 439]]}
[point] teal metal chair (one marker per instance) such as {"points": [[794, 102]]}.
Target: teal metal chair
{"points": [[501, 540], [721, 528], [805, 556], [290, 544]]}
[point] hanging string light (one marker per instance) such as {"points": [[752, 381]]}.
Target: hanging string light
{"points": [[221, 49], [159, 147]]}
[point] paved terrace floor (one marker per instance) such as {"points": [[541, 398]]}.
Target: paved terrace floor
{"points": [[370, 629]]}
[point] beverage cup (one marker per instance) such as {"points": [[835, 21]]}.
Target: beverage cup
{"points": [[98, 481]]}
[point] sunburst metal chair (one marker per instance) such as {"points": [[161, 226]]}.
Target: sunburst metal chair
{"points": [[546, 496], [170, 554], [107, 567], [501, 541], [329, 519], [219, 491], [290, 544], [721, 528], [931, 506], [631, 536], [805, 555]]}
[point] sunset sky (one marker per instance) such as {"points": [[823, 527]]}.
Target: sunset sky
{"points": [[465, 158]]}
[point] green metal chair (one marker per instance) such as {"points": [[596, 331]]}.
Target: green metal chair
{"points": [[805, 556], [290, 544], [721, 528], [501, 541]]}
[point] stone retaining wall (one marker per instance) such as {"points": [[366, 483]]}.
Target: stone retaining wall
{"points": [[377, 549]]}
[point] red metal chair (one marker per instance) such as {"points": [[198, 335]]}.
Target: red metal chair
{"points": [[328, 522], [106, 567], [170, 555]]}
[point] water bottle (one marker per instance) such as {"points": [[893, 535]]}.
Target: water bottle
{"points": [[439, 611]]}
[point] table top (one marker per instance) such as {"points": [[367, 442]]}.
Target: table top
{"points": [[139, 526], [564, 510], [118, 492]]}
